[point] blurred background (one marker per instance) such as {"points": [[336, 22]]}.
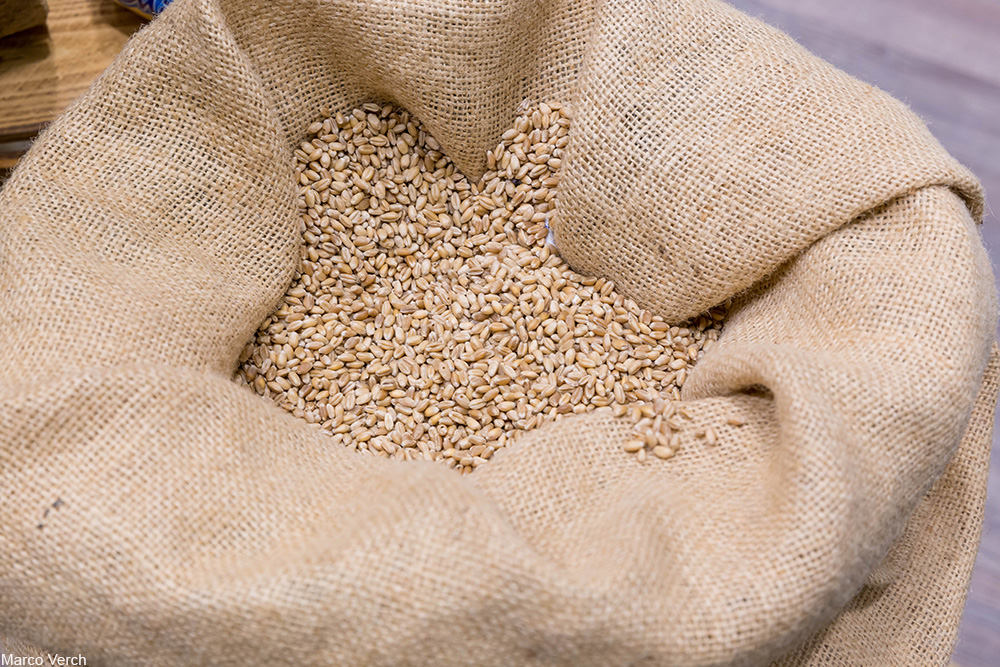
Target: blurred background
{"points": [[942, 57]]}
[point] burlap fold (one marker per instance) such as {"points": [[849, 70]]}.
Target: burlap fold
{"points": [[155, 513]]}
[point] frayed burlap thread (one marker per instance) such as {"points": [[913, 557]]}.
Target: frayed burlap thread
{"points": [[156, 513]]}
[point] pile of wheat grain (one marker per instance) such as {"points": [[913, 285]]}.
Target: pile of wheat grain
{"points": [[430, 318]]}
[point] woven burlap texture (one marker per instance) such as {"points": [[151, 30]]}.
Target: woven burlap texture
{"points": [[155, 513]]}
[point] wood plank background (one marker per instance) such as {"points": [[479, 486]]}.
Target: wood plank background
{"points": [[942, 57], [43, 69]]}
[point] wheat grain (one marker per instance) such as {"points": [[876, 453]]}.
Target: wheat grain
{"points": [[430, 319]]}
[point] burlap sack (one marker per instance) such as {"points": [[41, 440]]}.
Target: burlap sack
{"points": [[155, 513]]}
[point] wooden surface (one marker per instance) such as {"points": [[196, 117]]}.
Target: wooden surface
{"points": [[43, 69], [942, 57]]}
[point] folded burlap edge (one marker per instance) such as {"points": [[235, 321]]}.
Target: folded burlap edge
{"points": [[928, 569]]}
